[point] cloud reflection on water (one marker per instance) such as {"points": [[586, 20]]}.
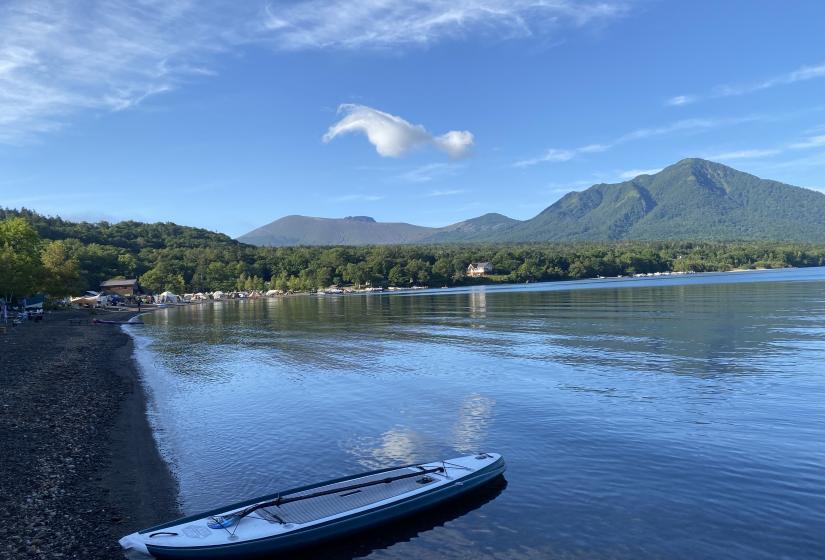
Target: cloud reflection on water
{"points": [[470, 428], [397, 445]]}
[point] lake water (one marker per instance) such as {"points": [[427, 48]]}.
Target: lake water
{"points": [[679, 417]]}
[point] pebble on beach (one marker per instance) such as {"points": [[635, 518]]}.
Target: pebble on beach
{"points": [[79, 464]]}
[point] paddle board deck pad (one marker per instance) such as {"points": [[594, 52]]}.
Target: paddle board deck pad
{"points": [[311, 514]]}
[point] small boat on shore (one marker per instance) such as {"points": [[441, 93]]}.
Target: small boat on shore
{"points": [[312, 514]]}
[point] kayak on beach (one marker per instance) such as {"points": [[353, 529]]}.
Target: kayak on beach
{"points": [[311, 514]]}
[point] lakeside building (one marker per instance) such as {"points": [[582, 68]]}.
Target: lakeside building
{"points": [[122, 287], [479, 269]]}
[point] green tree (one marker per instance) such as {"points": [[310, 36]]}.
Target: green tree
{"points": [[442, 270], [398, 277], [419, 271], [128, 264], [218, 277], [20, 265], [61, 272], [162, 279], [175, 284]]}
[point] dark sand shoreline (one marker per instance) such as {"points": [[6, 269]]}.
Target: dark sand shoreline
{"points": [[79, 467]]}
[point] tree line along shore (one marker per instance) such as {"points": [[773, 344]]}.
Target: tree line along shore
{"points": [[57, 257]]}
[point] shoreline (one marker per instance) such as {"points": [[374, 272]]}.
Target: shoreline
{"points": [[80, 465], [481, 284]]}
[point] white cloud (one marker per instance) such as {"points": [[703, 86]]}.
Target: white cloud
{"points": [[681, 100], [551, 155], [594, 148], [557, 155], [753, 153], [60, 58], [633, 173], [684, 125], [815, 160], [320, 24], [456, 143], [811, 142], [430, 172], [393, 136], [745, 154], [447, 192], [801, 74]]}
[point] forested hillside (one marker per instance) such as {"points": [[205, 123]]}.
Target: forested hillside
{"points": [[183, 259], [693, 199]]}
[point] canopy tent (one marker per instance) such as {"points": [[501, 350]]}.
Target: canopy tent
{"points": [[168, 297], [92, 300]]}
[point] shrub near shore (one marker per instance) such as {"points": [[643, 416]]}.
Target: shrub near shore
{"points": [[70, 257]]}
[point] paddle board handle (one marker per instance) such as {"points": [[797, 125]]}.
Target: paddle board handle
{"points": [[163, 533]]}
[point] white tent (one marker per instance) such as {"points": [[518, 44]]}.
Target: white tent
{"points": [[218, 295], [270, 293], [92, 299], [168, 297]]}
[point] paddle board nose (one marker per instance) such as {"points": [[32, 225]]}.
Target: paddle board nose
{"points": [[134, 544]]}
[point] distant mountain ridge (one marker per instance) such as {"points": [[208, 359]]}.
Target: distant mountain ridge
{"points": [[352, 230], [693, 199], [363, 230]]}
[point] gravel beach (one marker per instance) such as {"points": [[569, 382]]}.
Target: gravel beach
{"points": [[78, 464]]}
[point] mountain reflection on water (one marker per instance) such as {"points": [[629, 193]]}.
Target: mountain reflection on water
{"points": [[674, 417]]}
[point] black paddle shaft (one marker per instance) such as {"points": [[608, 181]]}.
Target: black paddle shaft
{"points": [[281, 501]]}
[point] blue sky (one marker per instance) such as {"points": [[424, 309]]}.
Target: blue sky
{"points": [[228, 116]]}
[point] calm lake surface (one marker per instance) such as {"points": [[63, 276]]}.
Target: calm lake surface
{"points": [[679, 417]]}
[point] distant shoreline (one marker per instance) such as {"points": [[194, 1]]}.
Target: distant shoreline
{"points": [[496, 284], [551, 285]]}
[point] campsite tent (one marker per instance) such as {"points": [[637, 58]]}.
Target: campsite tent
{"points": [[91, 299], [168, 297], [218, 295]]}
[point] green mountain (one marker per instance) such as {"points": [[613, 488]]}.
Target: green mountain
{"points": [[692, 199], [476, 229]]}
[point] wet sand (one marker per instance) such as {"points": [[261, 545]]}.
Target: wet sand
{"points": [[78, 464]]}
